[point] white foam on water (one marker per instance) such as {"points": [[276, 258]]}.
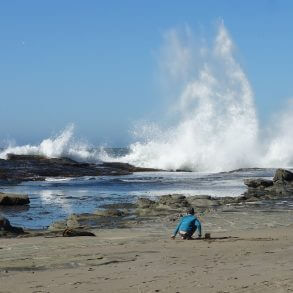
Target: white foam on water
{"points": [[62, 145]]}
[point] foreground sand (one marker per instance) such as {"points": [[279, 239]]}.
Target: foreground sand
{"points": [[250, 253]]}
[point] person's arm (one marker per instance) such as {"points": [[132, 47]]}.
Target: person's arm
{"points": [[198, 225], [176, 229]]}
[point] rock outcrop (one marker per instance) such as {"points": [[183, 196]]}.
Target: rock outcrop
{"points": [[6, 229], [7, 199], [280, 186], [100, 218], [17, 168]]}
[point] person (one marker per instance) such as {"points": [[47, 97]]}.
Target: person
{"points": [[188, 225]]}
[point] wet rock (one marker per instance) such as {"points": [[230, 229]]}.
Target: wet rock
{"points": [[101, 218], [282, 175], [174, 201], [7, 199], [280, 186], [75, 232], [7, 228], [148, 207], [110, 213], [258, 183], [145, 203], [203, 201], [17, 168]]}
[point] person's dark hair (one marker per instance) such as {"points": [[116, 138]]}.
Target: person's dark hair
{"points": [[190, 211]]}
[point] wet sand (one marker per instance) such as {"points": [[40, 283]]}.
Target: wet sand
{"points": [[250, 252]]}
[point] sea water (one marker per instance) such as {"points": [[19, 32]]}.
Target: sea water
{"points": [[56, 198]]}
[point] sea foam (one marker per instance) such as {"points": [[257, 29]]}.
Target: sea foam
{"points": [[62, 145]]}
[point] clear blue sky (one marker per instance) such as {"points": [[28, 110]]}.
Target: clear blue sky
{"points": [[94, 63]]}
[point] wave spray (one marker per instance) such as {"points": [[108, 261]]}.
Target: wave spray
{"points": [[217, 127], [62, 145]]}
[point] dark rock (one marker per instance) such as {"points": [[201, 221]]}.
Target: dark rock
{"points": [[128, 167], [17, 168], [281, 186], [7, 227], [13, 199], [258, 183], [74, 232], [282, 175], [174, 201], [145, 203]]}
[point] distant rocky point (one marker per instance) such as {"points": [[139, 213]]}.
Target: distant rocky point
{"points": [[18, 168]]}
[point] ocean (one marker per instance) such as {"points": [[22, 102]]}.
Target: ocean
{"points": [[56, 198]]}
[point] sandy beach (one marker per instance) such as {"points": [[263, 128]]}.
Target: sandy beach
{"points": [[249, 252]]}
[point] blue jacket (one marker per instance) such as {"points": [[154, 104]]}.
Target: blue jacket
{"points": [[188, 223]]}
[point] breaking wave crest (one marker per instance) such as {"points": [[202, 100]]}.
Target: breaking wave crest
{"points": [[62, 145]]}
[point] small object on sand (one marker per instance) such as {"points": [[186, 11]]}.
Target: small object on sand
{"points": [[207, 235], [74, 232]]}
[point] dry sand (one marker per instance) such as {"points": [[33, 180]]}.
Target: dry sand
{"points": [[251, 252]]}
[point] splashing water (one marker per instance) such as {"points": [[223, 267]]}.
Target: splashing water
{"points": [[217, 127], [63, 145]]}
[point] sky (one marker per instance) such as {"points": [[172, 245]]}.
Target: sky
{"points": [[96, 63]]}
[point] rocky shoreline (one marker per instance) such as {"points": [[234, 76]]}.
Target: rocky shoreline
{"points": [[19, 168], [166, 208]]}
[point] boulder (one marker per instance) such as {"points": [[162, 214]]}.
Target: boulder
{"points": [[280, 186], [145, 203], [282, 175], [7, 199], [7, 227], [258, 183], [174, 201]]}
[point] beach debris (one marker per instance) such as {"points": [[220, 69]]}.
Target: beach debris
{"points": [[76, 232]]}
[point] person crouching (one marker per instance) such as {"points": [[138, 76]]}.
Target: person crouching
{"points": [[188, 225]]}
